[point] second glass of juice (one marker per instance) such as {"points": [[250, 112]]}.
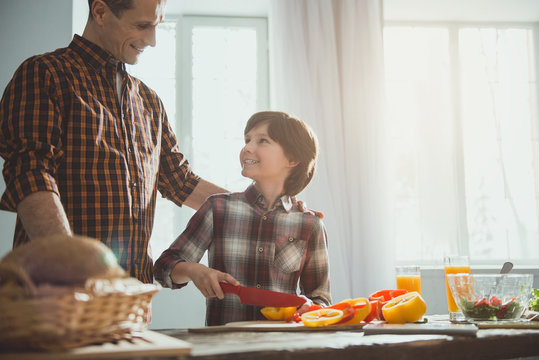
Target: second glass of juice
{"points": [[454, 265], [408, 278]]}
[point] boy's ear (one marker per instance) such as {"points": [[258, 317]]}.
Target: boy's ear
{"points": [[293, 163]]}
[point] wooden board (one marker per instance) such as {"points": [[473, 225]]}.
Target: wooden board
{"points": [[508, 325], [267, 325], [147, 343], [438, 328]]}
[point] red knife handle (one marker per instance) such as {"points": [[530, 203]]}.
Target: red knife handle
{"points": [[229, 288]]}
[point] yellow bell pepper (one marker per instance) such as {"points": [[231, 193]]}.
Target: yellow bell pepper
{"points": [[321, 317], [278, 313], [362, 308], [409, 307]]}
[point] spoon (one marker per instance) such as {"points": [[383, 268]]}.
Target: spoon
{"points": [[507, 266]]}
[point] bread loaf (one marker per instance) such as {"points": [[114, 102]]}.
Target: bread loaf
{"points": [[65, 260]]}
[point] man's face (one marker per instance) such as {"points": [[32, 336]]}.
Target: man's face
{"points": [[126, 37]]}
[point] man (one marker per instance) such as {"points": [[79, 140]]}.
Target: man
{"points": [[87, 146]]}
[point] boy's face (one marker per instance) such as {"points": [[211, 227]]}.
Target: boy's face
{"points": [[263, 159]]}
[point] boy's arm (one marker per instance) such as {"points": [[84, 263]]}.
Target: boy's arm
{"points": [[178, 264], [205, 279], [314, 281]]}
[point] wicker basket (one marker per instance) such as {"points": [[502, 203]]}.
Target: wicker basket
{"points": [[50, 317]]}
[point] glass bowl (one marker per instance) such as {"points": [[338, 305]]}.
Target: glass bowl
{"points": [[483, 297]]}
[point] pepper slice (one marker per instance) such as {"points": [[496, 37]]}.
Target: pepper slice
{"points": [[322, 317], [375, 313], [381, 297], [409, 307], [347, 309], [362, 308], [278, 313]]}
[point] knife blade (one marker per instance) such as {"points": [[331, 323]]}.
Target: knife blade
{"points": [[261, 297]]}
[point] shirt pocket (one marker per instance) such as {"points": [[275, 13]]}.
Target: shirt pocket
{"points": [[288, 254]]}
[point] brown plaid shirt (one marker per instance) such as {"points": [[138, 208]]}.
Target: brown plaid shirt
{"points": [[275, 250], [62, 129]]}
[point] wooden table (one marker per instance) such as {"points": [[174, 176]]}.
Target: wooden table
{"points": [[289, 344], [488, 343]]}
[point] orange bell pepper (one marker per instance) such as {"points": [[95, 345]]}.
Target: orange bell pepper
{"points": [[409, 307], [278, 313], [382, 297], [362, 309]]}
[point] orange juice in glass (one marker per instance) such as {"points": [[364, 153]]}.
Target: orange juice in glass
{"points": [[454, 265], [408, 278]]}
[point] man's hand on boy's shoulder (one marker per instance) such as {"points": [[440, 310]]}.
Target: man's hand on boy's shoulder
{"points": [[303, 207]]}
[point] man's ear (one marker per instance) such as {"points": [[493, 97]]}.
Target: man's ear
{"points": [[99, 10]]}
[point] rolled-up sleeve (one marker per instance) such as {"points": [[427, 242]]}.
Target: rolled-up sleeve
{"points": [[30, 133], [189, 246]]}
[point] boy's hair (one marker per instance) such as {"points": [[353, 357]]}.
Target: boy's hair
{"points": [[299, 144], [116, 6]]}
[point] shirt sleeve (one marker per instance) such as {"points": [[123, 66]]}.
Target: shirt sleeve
{"points": [[314, 281], [30, 133], [176, 180], [189, 246]]}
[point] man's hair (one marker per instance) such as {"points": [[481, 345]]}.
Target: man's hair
{"points": [[116, 6], [299, 144]]}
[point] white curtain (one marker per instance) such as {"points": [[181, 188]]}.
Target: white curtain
{"points": [[326, 67]]}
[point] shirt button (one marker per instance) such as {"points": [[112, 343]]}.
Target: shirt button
{"points": [[258, 286], [134, 184], [128, 149], [290, 239], [260, 249], [265, 217]]}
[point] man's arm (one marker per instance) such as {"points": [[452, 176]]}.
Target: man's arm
{"points": [[201, 192], [42, 214]]}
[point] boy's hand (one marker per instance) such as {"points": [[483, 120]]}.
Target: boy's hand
{"points": [[303, 207], [207, 280]]}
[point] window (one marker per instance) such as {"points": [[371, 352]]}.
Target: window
{"points": [[212, 75], [462, 102]]}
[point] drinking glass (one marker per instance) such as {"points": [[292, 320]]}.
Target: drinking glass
{"points": [[408, 278], [454, 265]]}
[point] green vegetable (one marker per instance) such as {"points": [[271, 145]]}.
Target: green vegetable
{"points": [[490, 310], [534, 303]]}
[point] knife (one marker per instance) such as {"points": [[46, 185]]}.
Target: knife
{"points": [[262, 297]]}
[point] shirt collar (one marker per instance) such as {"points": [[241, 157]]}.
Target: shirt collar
{"points": [[94, 55], [255, 198]]}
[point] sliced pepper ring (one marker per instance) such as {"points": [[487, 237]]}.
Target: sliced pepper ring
{"points": [[321, 317], [409, 307]]}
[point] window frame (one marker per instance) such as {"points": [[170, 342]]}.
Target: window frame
{"points": [[184, 65], [183, 119], [453, 28]]}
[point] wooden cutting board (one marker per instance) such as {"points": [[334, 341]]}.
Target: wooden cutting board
{"points": [[438, 328], [145, 344], [508, 325], [267, 325]]}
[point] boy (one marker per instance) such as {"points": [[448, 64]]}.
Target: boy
{"points": [[256, 237]]}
